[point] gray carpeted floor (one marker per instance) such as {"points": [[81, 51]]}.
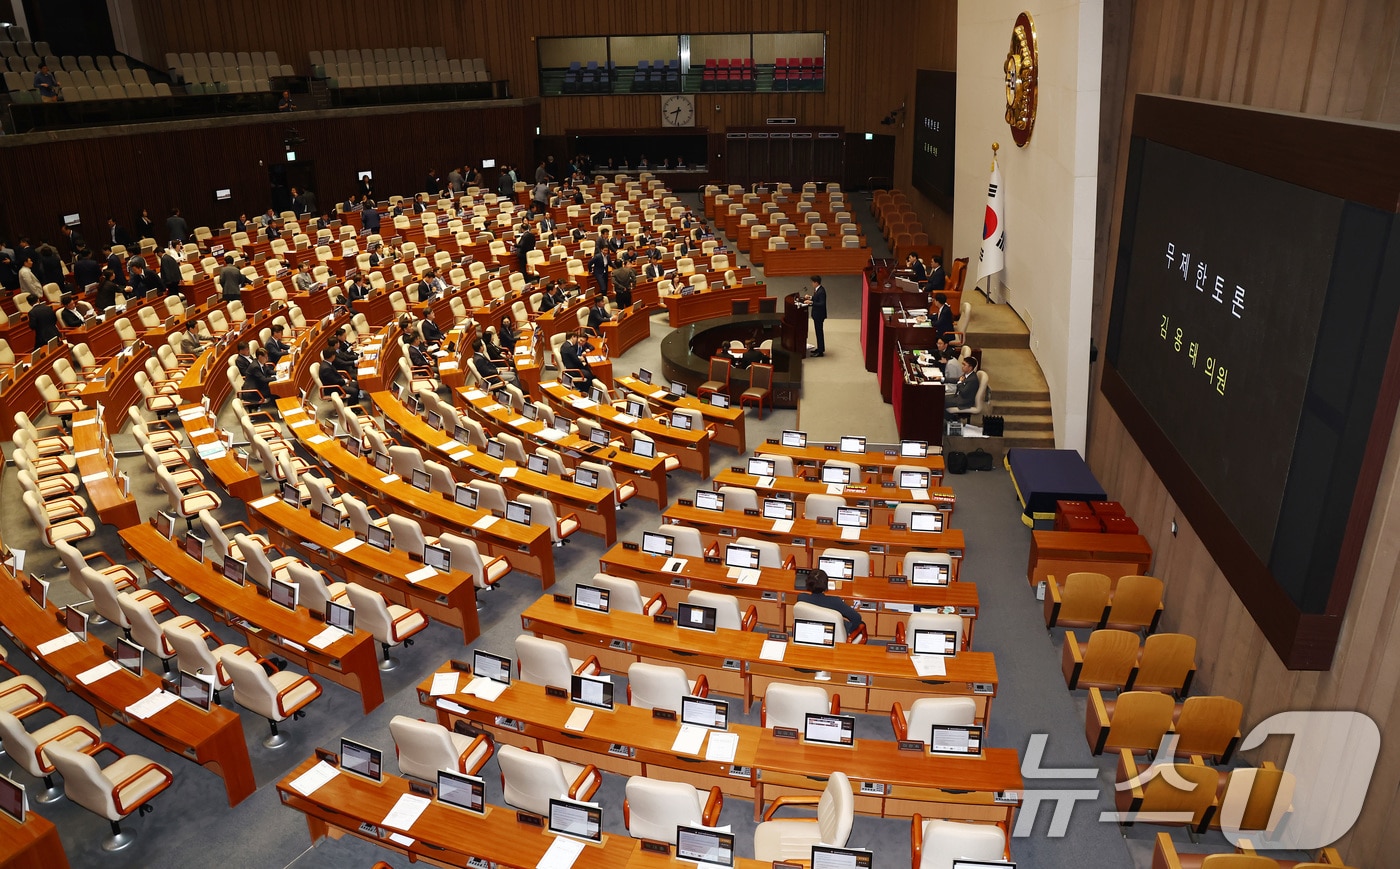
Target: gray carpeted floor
{"points": [[193, 824]]}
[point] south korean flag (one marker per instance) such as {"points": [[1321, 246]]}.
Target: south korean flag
{"points": [[992, 259]]}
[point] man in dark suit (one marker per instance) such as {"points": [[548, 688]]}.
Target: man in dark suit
{"points": [[366, 185], [331, 375], [118, 233], [369, 219], [571, 354], [942, 314], [142, 281], [241, 358], [653, 270], [260, 375], [170, 270], [276, 347], [87, 270], [525, 241], [493, 373], [553, 297], [937, 279], [430, 286], [420, 204], [598, 314], [432, 335], [113, 261], [70, 316], [42, 320], [598, 268], [358, 289], [508, 335], [818, 298], [417, 359], [965, 393]]}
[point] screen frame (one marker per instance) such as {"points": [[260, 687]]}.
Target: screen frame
{"points": [[375, 755], [725, 839], [821, 645], [500, 659], [475, 783], [848, 723], [670, 544], [704, 701], [709, 617], [576, 680], [593, 811]]}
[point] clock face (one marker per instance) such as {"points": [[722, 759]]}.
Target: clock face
{"points": [[678, 111], [1022, 72]]}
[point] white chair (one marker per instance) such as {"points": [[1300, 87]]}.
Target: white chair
{"points": [[726, 608], [19, 692], [980, 403], [625, 596], [277, 697], [490, 496], [390, 624], [782, 465], [812, 612], [262, 569], [114, 792], [191, 644], [926, 712], [793, 839], [653, 809], [531, 779], [30, 749], [47, 444], [486, 572], [819, 506], [547, 662], [936, 843], [217, 534], [769, 554], [624, 492], [424, 747], [786, 705], [186, 505], [859, 558], [739, 498], [75, 528], [146, 632], [653, 686], [932, 621], [687, 540], [542, 513]]}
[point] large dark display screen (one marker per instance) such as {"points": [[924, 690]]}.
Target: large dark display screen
{"points": [[935, 107], [1248, 353]]}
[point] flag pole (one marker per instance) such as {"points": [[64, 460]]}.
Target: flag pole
{"points": [[996, 146]]}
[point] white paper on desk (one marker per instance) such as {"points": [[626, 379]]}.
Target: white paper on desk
{"points": [[748, 576], [484, 522], [421, 574], [772, 650], [215, 450], [835, 488], [62, 641], [310, 781], [929, 665], [405, 811], [782, 526], [899, 607], [460, 454], [689, 739], [444, 683], [550, 434], [82, 454], [452, 445], [106, 668], [199, 433], [93, 478], [302, 422], [452, 707], [389, 478], [766, 482], [596, 360], [660, 393], [583, 403], [349, 545], [185, 415], [722, 747], [492, 408], [674, 565], [262, 503], [625, 418], [562, 853], [327, 636], [508, 472], [401, 839], [474, 394], [439, 353], [151, 703], [365, 372], [317, 440], [850, 532], [486, 689], [447, 366], [578, 720], [919, 494]]}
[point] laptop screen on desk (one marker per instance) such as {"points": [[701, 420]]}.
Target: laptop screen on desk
{"points": [[658, 544], [285, 593], [696, 618], [704, 712], [434, 419], [462, 791], [913, 479], [437, 557], [130, 655], [380, 538], [934, 642], [795, 439], [518, 512], [678, 389], [531, 412], [719, 400], [956, 740], [465, 496], [636, 408], [853, 517], [340, 616], [836, 474], [706, 500], [383, 463], [591, 691], [234, 570], [585, 477], [598, 437], [330, 516], [926, 520], [196, 691], [489, 666], [913, 449], [422, 480], [849, 444], [829, 729], [762, 467], [829, 857], [194, 546], [926, 573], [76, 621], [681, 421], [496, 450], [707, 847], [836, 567], [806, 632], [538, 464], [12, 799], [591, 597], [579, 820], [165, 524], [644, 448], [361, 759], [779, 508], [644, 376], [741, 556]]}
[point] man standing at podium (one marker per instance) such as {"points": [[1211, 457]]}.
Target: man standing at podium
{"points": [[818, 298]]}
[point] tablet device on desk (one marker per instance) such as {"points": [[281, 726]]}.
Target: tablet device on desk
{"points": [[644, 448], [465, 496], [829, 729], [663, 545], [437, 557], [39, 591], [926, 520], [578, 820], [165, 525], [362, 760], [291, 495], [585, 477], [76, 621], [531, 412], [704, 712], [850, 444], [681, 421], [131, 656], [720, 400], [194, 546], [836, 474], [836, 567], [340, 616], [707, 500], [462, 791], [853, 517], [434, 419], [794, 439], [636, 408], [567, 379], [741, 556], [951, 740], [644, 376], [591, 597], [913, 479], [503, 397], [234, 570], [382, 462], [518, 513], [352, 445], [709, 847], [759, 467], [195, 691], [489, 666], [286, 594], [12, 798], [830, 857], [678, 389], [808, 632], [462, 435], [496, 450], [926, 573], [591, 691], [599, 396], [598, 437], [928, 641], [696, 618], [421, 480], [913, 449], [380, 538], [779, 508], [330, 516]]}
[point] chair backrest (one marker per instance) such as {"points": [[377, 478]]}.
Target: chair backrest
{"points": [[424, 747], [1167, 799], [543, 662], [491, 496], [860, 559], [19, 745], [104, 597], [542, 513], [530, 779], [769, 554], [1084, 597], [739, 498], [623, 594], [84, 782], [786, 705], [819, 506], [651, 686], [812, 612], [655, 808], [1166, 662], [928, 711], [943, 841], [931, 621], [465, 557], [913, 558], [1207, 724], [727, 613], [190, 647], [144, 628], [1140, 718], [251, 687], [1109, 658], [836, 810], [371, 612], [687, 540], [1136, 600], [1256, 799]]}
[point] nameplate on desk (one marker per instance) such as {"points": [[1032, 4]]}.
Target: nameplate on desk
{"points": [[563, 598], [1006, 796], [830, 448], [663, 714], [897, 648], [898, 579], [750, 512], [825, 520], [772, 441], [967, 611], [529, 819], [663, 619], [777, 636], [685, 502], [737, 470], [785, 733], [555, 691], [899, 526], [325, 755], [709, 559], [783, 864], [911, 745], [656, 847], [890, 454], [422, 789], [459, 666], [630, 547]]}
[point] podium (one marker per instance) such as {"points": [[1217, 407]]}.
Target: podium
{"points": [[796, 319]]}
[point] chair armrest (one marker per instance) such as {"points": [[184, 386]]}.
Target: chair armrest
{"points": [[713, 805], [1096, 722], [702, 686], [790, 800], [590, 666], [1052, 602], [1164, 854], [1330, 856], [140, 773], [898, 722], [586, 785], [95, 739], [101, 553], [900, 632], [790, 563], [471, 749], [1071, 660], [1133, 779], [66, 500], [99, 748], [408, 615], [656, 604], [859, 636], [282, 710], [916, 839], [750, 618], [6, 665], [38, 707]]}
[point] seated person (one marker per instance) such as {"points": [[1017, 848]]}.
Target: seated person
{"points": [[573, 354], [359, 288], [344, 358], [915, 266], [751, 355], [553, 297], [242, 359], [946, 353], [431, 286], [260, 376], [419, 360], [817, 584], [306, 283], [432, 335], [598, 314], [70, 317], [492, 371], [276, 347], [333, 376], [508, 335], [964, 393]]}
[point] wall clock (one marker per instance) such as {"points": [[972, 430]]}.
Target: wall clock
{"points": [[1022, 79], [678, 111]]}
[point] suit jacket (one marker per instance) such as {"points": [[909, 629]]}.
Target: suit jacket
{"points": [[943, 320], [260, 377], [431, 333], [937, 280], [597, 316], [417, 358], [276, 350], [965, 395], [573, 360], [369, 219], [484, 366], [106, 295], [169, 270], [244, 363], [120, 235], [87, 271], [550, 301], [653, 270], [331, 376], [819, 303], [44, 322]]}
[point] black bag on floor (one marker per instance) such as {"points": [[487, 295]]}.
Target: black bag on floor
{"points": [[993, 426], [979, 460], [955, 462]]}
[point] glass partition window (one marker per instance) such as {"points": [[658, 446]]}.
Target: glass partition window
{"points": [[679, 63]]}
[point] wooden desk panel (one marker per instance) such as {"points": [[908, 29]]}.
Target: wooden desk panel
{"points": [[881, 497], [1060, 553], [34, 845], [728, 422], [627, 329], [200, 427], [709, 304], [96, 467], [875, 463], [692, 448]]}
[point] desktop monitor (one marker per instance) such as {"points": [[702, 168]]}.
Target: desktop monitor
{"points": [[913, 479], [663, 545], [853, 517], [353, 446], [382, 462], [696, 618], [434, 419], [591, 691], [759, 467], [644, 448], [195, 691], [579, 820], [461, 791], [719, 400], [681, 421], [830, 857], [928, 641], [518, 513], [741, 556], [644, 376], [488, 164], [39, 591], [636, 408], [706, 500], [849, 444], [707, 847], [807, 632], [950, 740], [495, 449], [165, 525], [926, 520], [794, 439], [340, 616], [465, 496], [380, 538], [194, 546], [585, 477], [421, 479], [829, 729], [234, 570], [130, 655], [836, 474], [286, 594], [462, 435], [76, 621], [437, 557], [779, 508], [532, 413], [362, 760], [72, 219], [566, 379], [599, 396], [678, 389], [591, 597], [291, 495], [704, 712], [12, 800], [538, 464], [837, 567], [913, 449], [598, 436], [330, 516], [489, 666], [926, 573]]}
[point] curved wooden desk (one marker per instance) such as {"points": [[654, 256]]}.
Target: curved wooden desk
{"points": [[728, 422], [692, 448], [874, 463], [97, 467], [708, 304], [882, 498]]}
